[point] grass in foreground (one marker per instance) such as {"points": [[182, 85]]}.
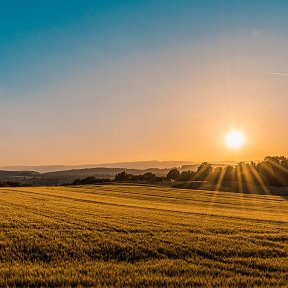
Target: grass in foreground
{"points": [[136, 236]]}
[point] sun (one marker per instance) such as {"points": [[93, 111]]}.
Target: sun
{"points": [[234, 139]]}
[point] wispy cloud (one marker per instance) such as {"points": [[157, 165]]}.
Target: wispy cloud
{"points": [[276, 73]]}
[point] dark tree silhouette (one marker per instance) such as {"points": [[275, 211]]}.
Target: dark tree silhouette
{"points": [[229, 173], [146, 177], [90, 180], [186, 175], [173, 174], [203, 171], [122, 176]]}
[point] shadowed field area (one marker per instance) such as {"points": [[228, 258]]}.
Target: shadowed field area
{"points": [[139, 236]]}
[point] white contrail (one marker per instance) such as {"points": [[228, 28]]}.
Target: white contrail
{"points": [[276, 73]]}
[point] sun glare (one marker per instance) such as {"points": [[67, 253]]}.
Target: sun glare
{"points": [[234, 139]]}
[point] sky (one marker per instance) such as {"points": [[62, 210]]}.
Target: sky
{"points": [[109, 81]]}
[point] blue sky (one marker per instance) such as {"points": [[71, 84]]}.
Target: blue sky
{"points": [[41, 41], [66, 65]]}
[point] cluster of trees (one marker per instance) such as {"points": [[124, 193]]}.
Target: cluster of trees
{"points": [[90, 180], [10, 184], [202, 173], [272, 171], [146, 177]]}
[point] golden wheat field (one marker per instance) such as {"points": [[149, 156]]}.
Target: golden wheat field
{"points": [[140, 236]]}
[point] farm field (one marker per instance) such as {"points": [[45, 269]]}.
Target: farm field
{"points": [[140, 236]]}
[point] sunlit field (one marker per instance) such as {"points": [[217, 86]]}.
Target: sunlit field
{"points": [[140, 236]]}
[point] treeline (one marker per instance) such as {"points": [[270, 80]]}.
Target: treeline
{"points": [[272, 171], [90, 180], [120, 177], [146, 177], [11, 184]]}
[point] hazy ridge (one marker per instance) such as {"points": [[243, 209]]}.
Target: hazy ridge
{"points": [[129, 165]]}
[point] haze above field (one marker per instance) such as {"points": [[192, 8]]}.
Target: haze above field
{"points": [[113, 81], [128, 165]]}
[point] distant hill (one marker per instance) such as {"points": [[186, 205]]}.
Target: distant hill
{"points": [[67, 176], [7, 174], [18, 176], [128, 165], [61, 174]]}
